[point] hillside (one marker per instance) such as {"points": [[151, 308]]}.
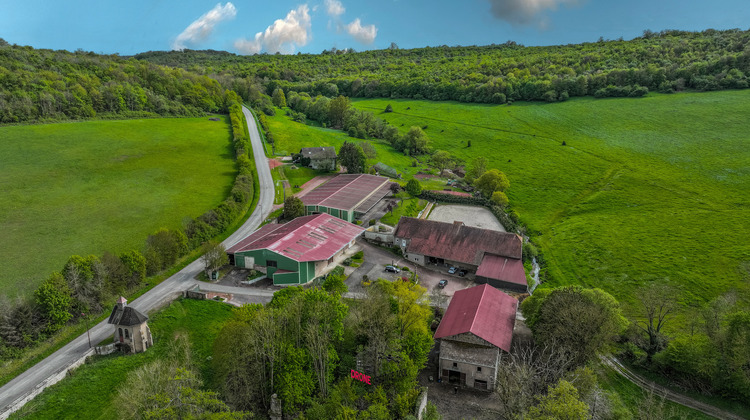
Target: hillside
{"points": [[644, 190], [666, 61], [47, 85]]}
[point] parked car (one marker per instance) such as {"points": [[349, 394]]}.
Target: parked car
{"points": [[462, 273], [392, 269], [452, 270], [442, 283]]}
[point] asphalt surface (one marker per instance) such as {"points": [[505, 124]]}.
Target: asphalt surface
{"points": [[155, 298]]}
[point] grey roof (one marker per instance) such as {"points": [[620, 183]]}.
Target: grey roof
{"points": [[126, 316], [327, 152]]}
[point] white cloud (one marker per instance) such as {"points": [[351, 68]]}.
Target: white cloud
{"points": [[282, 36], [364, 34], [334, 8], [204, 25], [525, 12]]}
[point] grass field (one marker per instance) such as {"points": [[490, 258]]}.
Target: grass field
{"points": [[292, 136], [89, 392], [86, 187], [649, 189]]}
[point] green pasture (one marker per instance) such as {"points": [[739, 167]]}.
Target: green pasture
{"points": [[89, 393], [292, 136], [654, 189], [409, 207], [86, 187]]}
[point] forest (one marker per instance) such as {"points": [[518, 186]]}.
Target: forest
{"points": [[665, 61]]}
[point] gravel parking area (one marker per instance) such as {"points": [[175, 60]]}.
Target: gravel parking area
{"points": [[471, 216]]}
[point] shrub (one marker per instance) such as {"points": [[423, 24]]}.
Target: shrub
{"points": [[359, 255], [372, 222]]}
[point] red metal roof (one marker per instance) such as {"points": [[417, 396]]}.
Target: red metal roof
{"points": [[456, 241], [345, 191], [309, 238], [502, 268], [483, 311]]}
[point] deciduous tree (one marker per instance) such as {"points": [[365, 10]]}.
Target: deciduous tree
{"points": [[352, 158], [293, 208], [491, 181]]}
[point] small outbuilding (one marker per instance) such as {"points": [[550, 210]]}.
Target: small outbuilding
{"points": [[132, 334], [474, 332], [319, 158]]}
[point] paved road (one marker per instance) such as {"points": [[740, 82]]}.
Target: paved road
{"points": [[157, 297]]}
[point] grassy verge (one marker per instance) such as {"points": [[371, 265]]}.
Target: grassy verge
{"points": [[89, 392]]}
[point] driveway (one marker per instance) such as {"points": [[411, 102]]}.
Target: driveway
{"points": [[376, 258]]}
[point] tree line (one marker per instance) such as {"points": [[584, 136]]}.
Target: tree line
{"points": [[665, 61], [85, 284]]}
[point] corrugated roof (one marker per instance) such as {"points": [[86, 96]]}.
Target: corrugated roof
{"points": [[502, 268], [373, 199], [483, 311], [309, 238], [456, 241], [346, 191]]}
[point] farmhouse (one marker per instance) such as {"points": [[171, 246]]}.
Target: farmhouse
{"points": [[132, 333], [478, 324], [490, 256], [295, 252], [347, 196], [321, 158]]}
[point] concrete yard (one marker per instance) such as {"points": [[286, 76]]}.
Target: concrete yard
{"points": [[471, 216]]}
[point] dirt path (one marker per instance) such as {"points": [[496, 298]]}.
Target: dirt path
{"points": [[647, 385]]}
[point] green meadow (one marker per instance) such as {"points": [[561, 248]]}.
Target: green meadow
{"points": [[654, 189], [91, 391], [86, 187]]}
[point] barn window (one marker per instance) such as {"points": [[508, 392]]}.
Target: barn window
{"points": [[126, 334], [479, 369], [271, 263], [455, 365]]}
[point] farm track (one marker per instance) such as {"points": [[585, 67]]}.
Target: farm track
{"points": [[649, 386]]}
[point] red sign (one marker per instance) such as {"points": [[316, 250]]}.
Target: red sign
{"points": [[361, 377]]}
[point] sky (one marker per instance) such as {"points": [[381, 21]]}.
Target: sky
{"points": [[128, 27]]}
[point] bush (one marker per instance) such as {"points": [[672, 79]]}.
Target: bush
{"points": [[372, 222], [347, 262], [359, 255]]}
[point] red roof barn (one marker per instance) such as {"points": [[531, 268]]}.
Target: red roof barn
{"points": [[478, 323]]}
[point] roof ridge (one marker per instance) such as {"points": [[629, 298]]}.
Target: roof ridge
{"points": [[476, 313]]}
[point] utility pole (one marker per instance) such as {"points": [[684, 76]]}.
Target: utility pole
{"points": [[88, 333]]}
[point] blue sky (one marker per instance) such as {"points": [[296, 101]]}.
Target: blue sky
{"points": [[249, 26]]}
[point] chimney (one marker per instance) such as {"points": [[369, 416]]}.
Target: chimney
{"points": [[122, 302]]}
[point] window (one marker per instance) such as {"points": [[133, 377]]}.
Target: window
{"points": [[271, 263], [126, 334], [455, 365], [479, 369]]}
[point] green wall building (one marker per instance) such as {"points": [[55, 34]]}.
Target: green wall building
{"points": [[295, 252]]}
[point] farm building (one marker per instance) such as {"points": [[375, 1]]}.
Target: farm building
{"points": [[478, 324], [320, 158], [489, 256], [295, 252], [132, 333], [347, 196]]}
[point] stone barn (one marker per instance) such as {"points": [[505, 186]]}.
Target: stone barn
{"points": [[475, 331]]}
